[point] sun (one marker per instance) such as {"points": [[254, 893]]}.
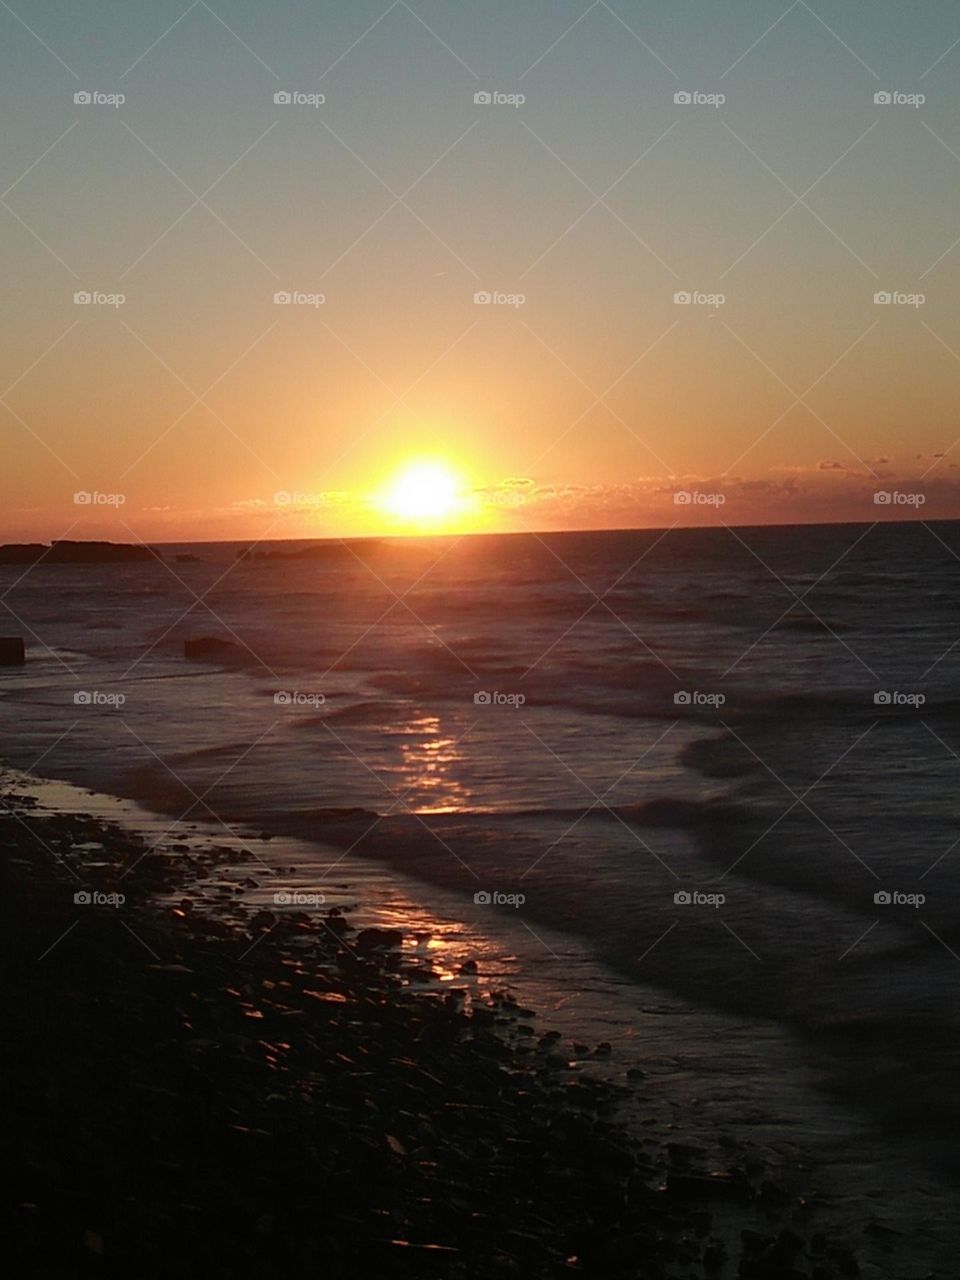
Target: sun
{"points": [[425, 492]]}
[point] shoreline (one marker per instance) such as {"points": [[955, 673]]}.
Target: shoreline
{"points": [[187, 1017]]}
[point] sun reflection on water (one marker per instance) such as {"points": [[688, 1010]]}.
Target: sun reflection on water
{"points": [[429, 761]]}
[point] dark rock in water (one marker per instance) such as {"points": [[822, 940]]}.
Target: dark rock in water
{"points": [[693, 1186], [772, 1196], [98, 553], [64, 552], [347, 814], [12, 652], [374, 939], [843, 1259], [880, 1229], [208, 647], [789, 1242], [754, 1242], [714, 1257], [681, 1153]]}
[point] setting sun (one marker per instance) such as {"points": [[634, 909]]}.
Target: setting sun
{"points": [[424, 491]]}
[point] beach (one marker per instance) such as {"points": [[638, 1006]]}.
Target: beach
{"points": [[479, 640], [285, 1091], [557, 826]]}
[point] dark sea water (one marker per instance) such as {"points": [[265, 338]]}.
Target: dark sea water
{"points": [[765, 720]]}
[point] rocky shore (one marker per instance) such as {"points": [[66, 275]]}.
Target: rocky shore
{"points": [[286, 1095]]}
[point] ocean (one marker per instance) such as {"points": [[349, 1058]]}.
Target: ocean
{"points": [[690, 792]]}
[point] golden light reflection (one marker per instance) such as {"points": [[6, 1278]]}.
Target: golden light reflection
{"points": [[428, 765]]}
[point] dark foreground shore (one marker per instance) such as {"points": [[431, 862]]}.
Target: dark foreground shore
{"points": [[293, 1097]]}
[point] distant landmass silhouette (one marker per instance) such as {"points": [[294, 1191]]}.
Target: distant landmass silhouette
{"points": [[73, 553]]}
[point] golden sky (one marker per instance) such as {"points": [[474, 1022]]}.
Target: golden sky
{"points": [[573, 268]]}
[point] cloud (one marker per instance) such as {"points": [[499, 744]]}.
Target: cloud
{"points": [[825, 492]]}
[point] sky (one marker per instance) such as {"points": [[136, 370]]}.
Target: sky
{"points": [[677, 264]]}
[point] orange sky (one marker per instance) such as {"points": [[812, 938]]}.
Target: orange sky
{"points": [[581, 304]]}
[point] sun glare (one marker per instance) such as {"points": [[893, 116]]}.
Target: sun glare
{"points": [[424, 492]]}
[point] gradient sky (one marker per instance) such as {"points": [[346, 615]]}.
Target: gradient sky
{"points": [[598, 199]]}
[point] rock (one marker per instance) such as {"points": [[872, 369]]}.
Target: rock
{"points": [[681, 1153], [772, 1196], [844, 1260], [877, 1228], [209, 647], [375, 939], [12, 652], [695, 1186], [789, 1242], [714, 1257]]}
